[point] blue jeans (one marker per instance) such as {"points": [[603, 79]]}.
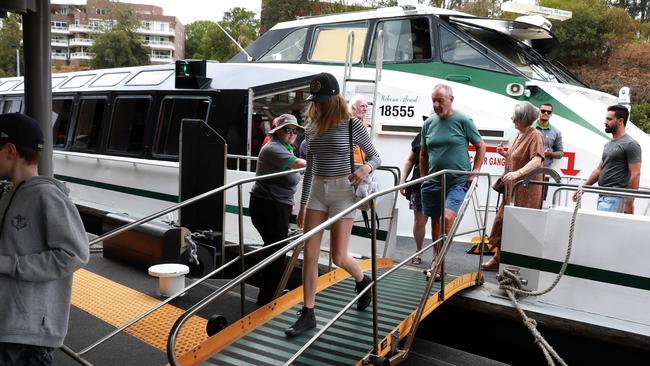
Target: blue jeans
{"points": [[610, 203], [431, 197]]}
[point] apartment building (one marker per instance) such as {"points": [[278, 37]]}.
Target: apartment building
{"points": [[74, 24]]}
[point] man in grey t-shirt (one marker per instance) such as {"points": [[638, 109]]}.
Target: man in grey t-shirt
{"points": [[620, 166]]}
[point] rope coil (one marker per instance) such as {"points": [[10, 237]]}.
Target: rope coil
{"points": [[512, 285]]}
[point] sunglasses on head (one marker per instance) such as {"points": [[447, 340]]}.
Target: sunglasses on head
{"points": [[546, 111], [289, 130]]}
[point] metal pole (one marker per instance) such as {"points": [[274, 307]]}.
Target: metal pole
{"points": [[38, 78], [242, 264], [373, 251], [17, 61]]}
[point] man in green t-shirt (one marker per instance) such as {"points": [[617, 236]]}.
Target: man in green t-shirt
{"points": [[446, 136]]}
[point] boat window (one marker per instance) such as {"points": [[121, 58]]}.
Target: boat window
{"points": [[153, 77], [77, 81], [12, 106], [330, 42], [127, 125], [172, 111], [57, 80], [109, 79], [61, 116], [457, 51], [8, 85], [289, 48], [89, 124], [404, 40]]}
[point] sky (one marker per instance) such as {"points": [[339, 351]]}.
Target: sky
{"points": [[188, 11]]}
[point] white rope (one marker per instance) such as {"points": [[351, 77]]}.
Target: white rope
{"points": [[512, 285]]}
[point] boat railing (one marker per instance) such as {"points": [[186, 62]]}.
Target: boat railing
{"points": [[77, 355], [370, 199], [562, 187]]}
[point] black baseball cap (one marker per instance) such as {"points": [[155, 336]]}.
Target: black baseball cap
{"points": [[322, 87], [21, 130]]}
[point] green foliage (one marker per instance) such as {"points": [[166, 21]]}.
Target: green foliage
{"points": [[194, 33], [582, 37], [206, 41], [119, 46], [640, 116], [10, 36]]}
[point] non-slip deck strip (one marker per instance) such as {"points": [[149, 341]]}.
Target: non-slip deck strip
{"points": [[117, 304]]}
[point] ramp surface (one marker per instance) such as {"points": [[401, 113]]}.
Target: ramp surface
{"points": [[259, 339]]}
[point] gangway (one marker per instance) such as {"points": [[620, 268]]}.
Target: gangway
{"points": [[258, 339], [401, 299]]}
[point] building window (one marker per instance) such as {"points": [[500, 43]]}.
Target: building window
{"points": [[162, 27], [100, 11], [146, 25]]}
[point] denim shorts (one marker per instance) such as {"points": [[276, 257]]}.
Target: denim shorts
{"points": [[610, 203], [431, 197], [332, 195]]}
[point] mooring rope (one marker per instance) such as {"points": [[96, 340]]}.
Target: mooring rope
{"points": [[510, 282]]}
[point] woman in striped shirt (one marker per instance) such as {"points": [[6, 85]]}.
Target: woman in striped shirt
{"points": [[328, 189]]}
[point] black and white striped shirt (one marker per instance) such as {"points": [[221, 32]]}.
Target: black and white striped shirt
{"points": [[329, 155]]}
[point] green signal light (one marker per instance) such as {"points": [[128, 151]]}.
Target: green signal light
{"points": [[184, 69]]}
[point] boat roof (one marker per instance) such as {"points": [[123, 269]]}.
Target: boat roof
{"points": [[389, 12]]}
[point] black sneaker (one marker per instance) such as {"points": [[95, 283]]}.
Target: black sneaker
{"points": [[366, 298], [305, 322]]}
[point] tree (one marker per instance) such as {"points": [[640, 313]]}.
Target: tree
{"points": [[10, 36], [205, 40], [194, 33], [119, 45]]}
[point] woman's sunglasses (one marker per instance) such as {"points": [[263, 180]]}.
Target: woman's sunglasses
{"points": [[289, 130]]}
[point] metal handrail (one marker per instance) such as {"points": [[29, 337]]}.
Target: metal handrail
{"points": [[171, 341], [425, 294], [174, 296], [124, 228], [189, 201]]}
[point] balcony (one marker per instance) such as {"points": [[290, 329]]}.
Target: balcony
{"points": [[59, 42], [59, 30], [160, 45], [81, 55], [59, 56], [81, 42], [158, 59], [82, 28], [168, 32]]}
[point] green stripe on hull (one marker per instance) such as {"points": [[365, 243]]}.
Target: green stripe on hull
{"points": [[121, 189], [578, 271], [231, 209], [494, 82]]}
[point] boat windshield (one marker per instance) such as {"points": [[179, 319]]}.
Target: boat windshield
{"points": [[522, 56]]}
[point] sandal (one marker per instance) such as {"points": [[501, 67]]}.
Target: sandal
{"points": [[427, 275], [416, 260]]}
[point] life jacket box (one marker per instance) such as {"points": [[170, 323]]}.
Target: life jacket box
{"points": [[144, 246]]}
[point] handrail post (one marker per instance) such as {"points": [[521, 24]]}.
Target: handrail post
{"points": [[375, 303], [242, 263]]}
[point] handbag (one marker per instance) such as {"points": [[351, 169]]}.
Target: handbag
{"points": [[499, 186], [369, 184]]}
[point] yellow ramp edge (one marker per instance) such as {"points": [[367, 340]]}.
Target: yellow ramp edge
{"points": [[262, 315], [117, 304]]}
